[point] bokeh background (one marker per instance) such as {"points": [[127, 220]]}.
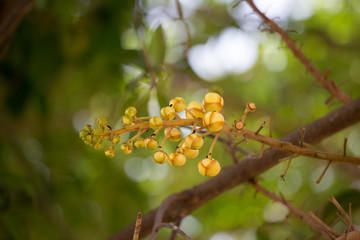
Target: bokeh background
{"points": [[72, 61]]}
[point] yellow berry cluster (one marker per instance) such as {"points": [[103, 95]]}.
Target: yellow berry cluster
{"points": [[205, 115]]}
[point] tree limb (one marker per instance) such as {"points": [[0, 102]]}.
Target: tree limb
{"points": [[187, 201]]}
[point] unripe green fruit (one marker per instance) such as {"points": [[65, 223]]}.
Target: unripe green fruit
{"points": [[130, 111], [139, 143], [110, 151], [127, 120]]}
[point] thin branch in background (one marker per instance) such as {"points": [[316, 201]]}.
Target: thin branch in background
{"points": [[174, 228], [138, 27], [327, 84], [260, 128], [188, 200], [270, 126], [282, 176], [345, 144], [323, 172], [342, 211], [187, 30], [137, 227], [309, 218], [175, 232], [302, 137]]}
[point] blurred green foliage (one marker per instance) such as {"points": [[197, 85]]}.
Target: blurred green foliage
{"points": [[72, 61]]}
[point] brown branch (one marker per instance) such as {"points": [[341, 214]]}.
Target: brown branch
{"points": [[191, 199], [137, 227], [328, 85], [175, 229], [314, 222], [11, 14]]}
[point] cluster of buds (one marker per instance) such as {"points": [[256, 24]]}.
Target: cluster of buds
{"points": [[200, 116]]}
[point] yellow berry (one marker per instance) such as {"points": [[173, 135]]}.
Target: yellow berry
{"points": [[174, 135], [213, 102], [251, 107], [177, 159], [127, 148], [127, 120], [194, 109], [99, 146], [130, 111], [213, 121], [101, 122], [188, 152], [160, 157], [209, 167], [151, 143], [156, 123], [194, 141], [167, 113], [139, 143], [178, 103], [110, 151], [116, 139]]}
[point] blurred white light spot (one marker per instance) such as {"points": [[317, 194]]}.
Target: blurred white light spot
{"points": [[292, 183], [153, 104], [326, 181], [159, 172], [137, 169], [81, 118], [191, 226], [353, 141], [355, 184], [233, 52], [33, 150], [130, 40], [131, 72], [275, 60], [275, 212], [302, 10], [221, 236]]}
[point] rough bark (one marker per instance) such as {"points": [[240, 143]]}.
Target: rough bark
{"points": [[185, 202]]}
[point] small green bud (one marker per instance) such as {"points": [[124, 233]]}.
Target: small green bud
{"points": [[127, 120], [127, 148], [130, 111], [139, 143], [116, 139], [110, 151], [151, 143]]}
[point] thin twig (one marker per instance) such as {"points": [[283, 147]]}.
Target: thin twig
{"points": [[282, 177], [175, 232], [137, 227], [323, 172], [342, 211], [187, 30], [314, 222], [174, 228], [329, 85]]}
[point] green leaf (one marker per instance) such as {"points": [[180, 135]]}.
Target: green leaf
{"points": [[157, 48]]}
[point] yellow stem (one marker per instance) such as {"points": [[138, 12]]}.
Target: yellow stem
{"points": [[213, 143]]}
